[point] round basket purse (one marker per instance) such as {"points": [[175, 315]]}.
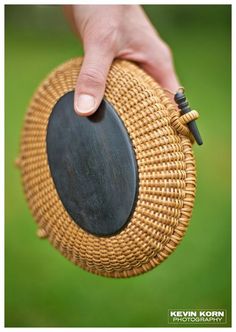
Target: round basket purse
{"points": [[113, 192]]}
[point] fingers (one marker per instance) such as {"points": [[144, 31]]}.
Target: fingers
{"points": [[91, 82], [168, 79], [161, 67]]}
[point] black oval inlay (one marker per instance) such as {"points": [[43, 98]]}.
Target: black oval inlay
{"points": [[93, 166]]}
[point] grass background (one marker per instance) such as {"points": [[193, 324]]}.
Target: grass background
{"points": [[44, 289]]}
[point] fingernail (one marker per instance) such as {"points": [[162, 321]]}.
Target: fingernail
{"points": [[85, 104]]}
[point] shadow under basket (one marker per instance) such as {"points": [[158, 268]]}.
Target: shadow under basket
{"points": [[112, 192]]}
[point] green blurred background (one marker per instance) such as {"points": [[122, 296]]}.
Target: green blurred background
{"points": [[42, 287]]}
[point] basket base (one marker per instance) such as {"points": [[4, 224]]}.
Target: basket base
{"points": [[93, 166]]}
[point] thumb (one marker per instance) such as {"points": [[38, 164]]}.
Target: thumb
{"points": [[91, 82]]}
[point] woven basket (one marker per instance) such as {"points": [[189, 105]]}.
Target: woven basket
{"points": [[166, 168]]}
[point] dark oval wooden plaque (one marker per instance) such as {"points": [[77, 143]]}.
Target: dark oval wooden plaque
{"points": [[93, 166]]}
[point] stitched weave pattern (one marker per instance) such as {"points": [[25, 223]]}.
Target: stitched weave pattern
{"points": [[166, 168]]}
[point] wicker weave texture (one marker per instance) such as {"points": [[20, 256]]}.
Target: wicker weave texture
{"points": [[166, 167]]}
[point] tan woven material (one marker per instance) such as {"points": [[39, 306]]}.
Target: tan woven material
{"points": [[166, 168]]}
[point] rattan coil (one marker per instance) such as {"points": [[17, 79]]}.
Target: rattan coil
{"points": [[166, 168]]}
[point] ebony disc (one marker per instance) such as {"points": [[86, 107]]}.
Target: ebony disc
{"points": [[93, 166]]}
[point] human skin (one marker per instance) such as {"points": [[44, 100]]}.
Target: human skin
{"points": [[116, 31]]}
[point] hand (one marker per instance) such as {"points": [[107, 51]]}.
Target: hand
{"points": [[116, 31]]}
